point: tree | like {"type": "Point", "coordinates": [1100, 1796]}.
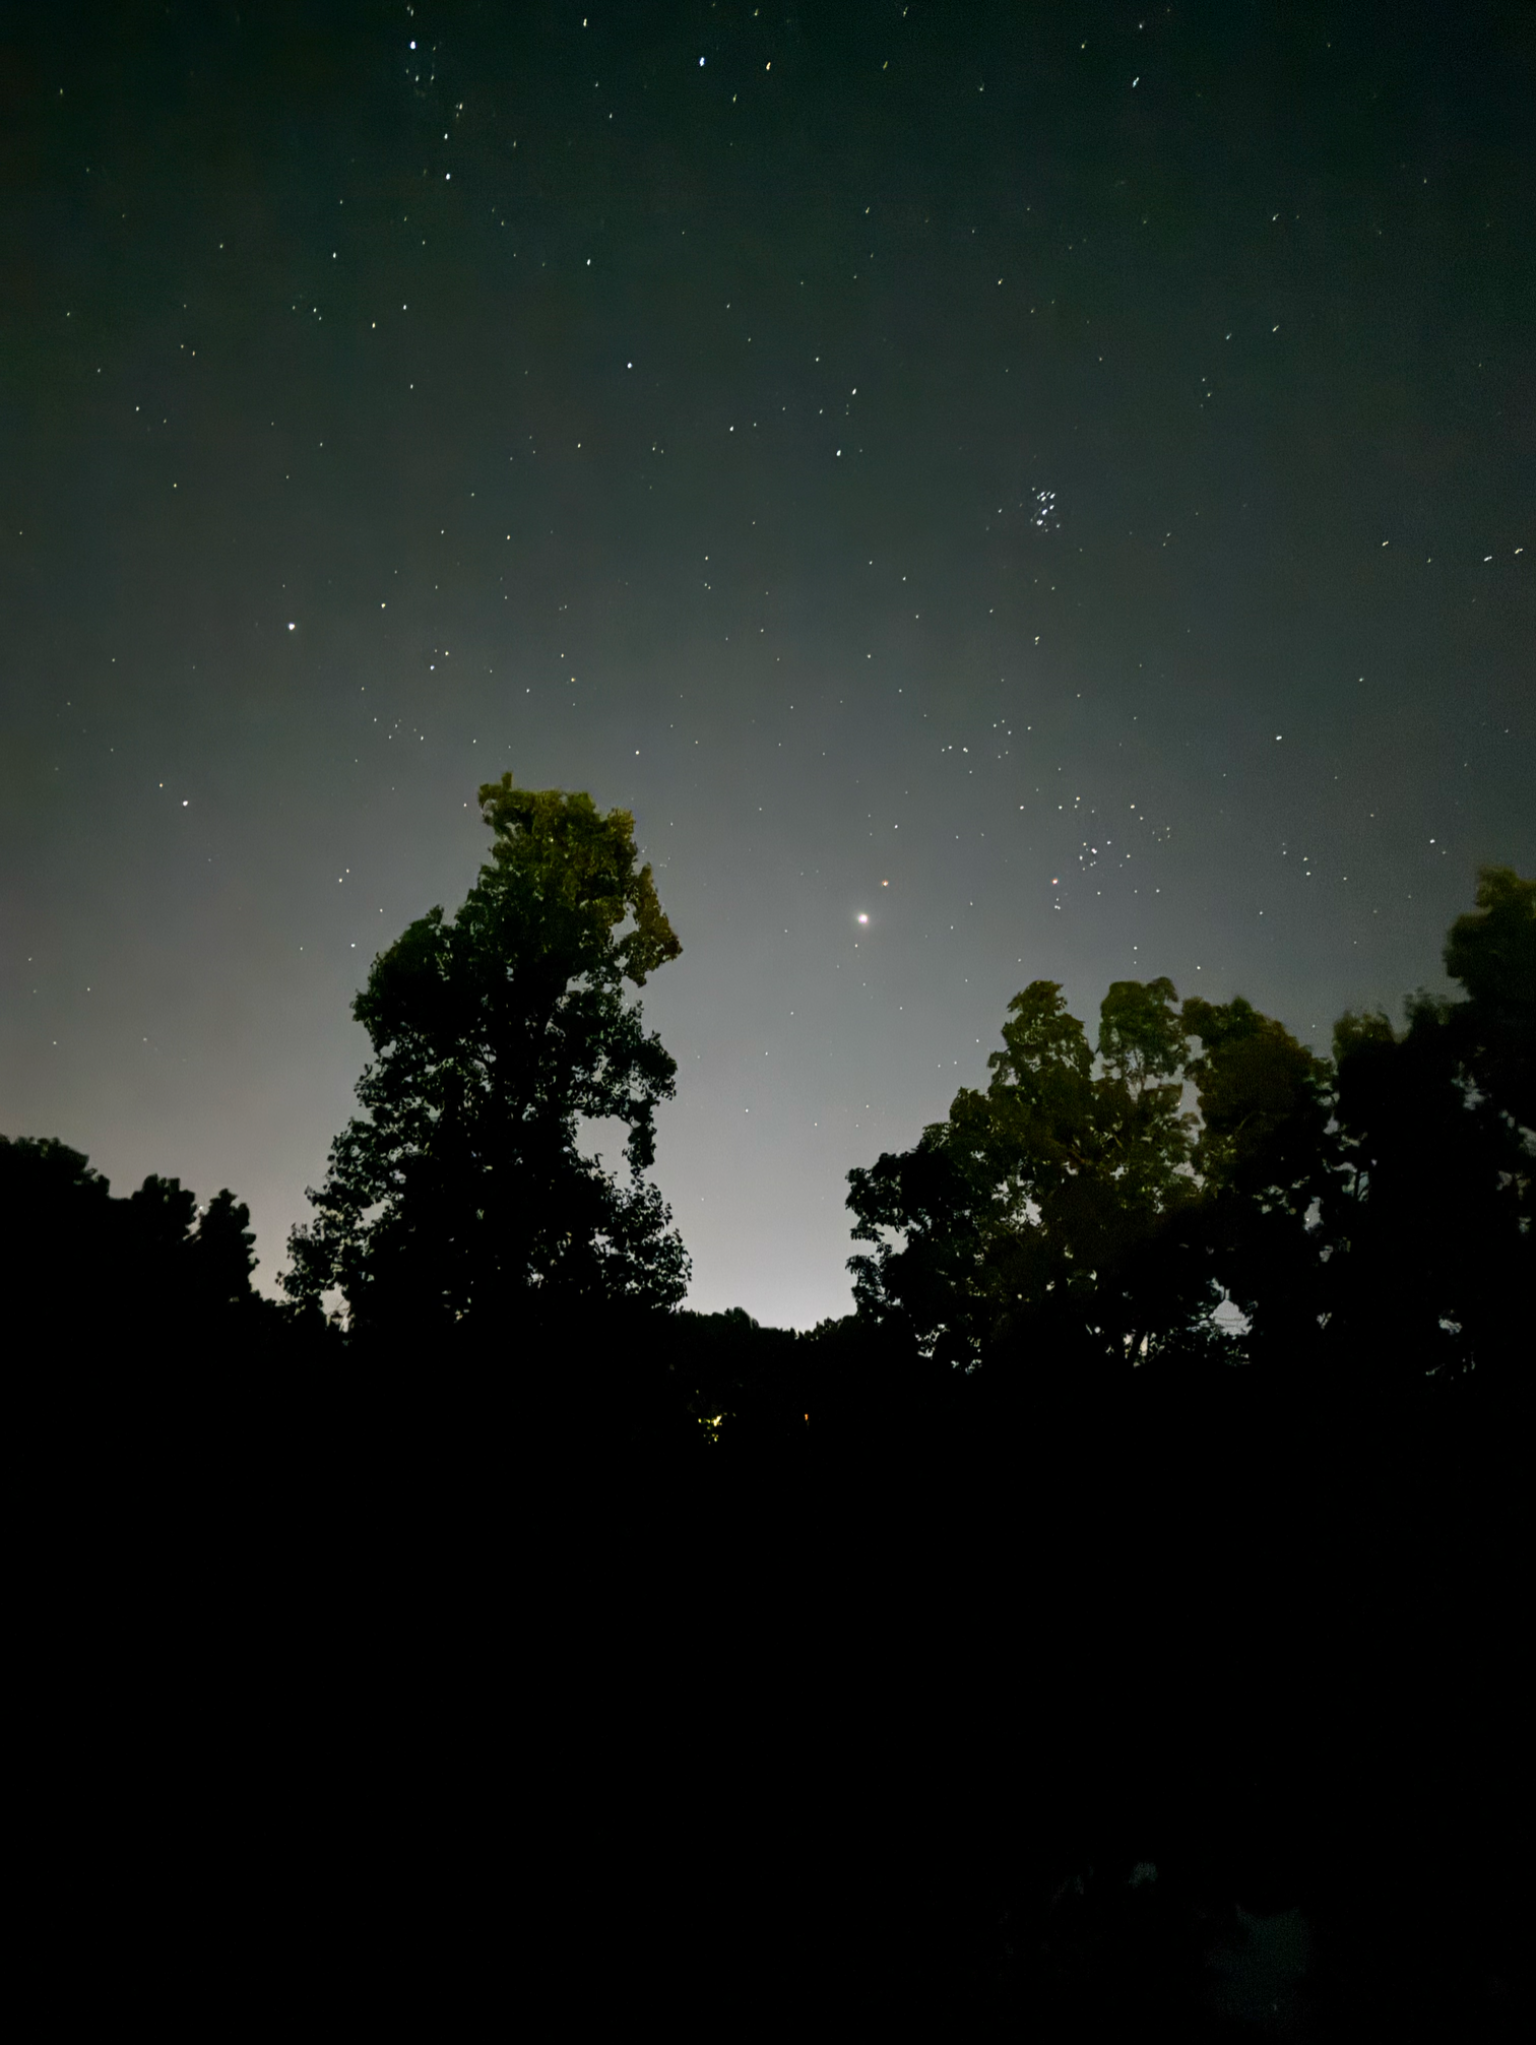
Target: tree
{"type": "Point", "coordinates": [1046, 1211]}
{"type": "Point", "coordinates": [58, 1248]}
{"type": "Point", "coordinates": [224, 1249]}
{"type": "Point", "coordinates": [1372, 1217]}
{"type": "Point", "coordinates": [1431, 1216]}
{"type": "Point", "coordinates": [1492, 951]}
{"type": "Point", "coordinates": [91, 1274]}
{"type": "Point", "coordinates": [1267, 1157]}
{"type": "Point", "coordinates": [460, 1194]}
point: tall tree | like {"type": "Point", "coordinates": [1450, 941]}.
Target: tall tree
{"type": "Point", "coordinates": [1491, 951]}
{"type": "Point", "coordinates": [58, 1249]}
{"type": "Point", "coordinates": [460, 1193]}
{"type": "Point", "coordinates": [1267, 1157]}
{"type": "Point", "coordinates": [1372, 1218]}
{"type": "Point", "coordinates": [1045, 1212]}
{"type": "Point", "coordinates": [1432, 1216]}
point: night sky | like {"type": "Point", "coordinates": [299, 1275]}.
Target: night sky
{"type": "Point", "coordinates": [1000, 492]}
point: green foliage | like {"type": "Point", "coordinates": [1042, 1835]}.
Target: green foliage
{"type": "Point", "coordinates": [460, 1193]}
{"type": "Point", "coordinates": [1265, 1158]}
{"type": "Point", "coordinates": [1369, 1216]}
{"type": "Point", "coordinates": [1028, 1215]}
{"type": "Point", "coordinates": [1264, 1102]}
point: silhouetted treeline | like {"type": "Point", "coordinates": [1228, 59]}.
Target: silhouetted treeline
{"type": "Point", "coordinates": [140, 1284]}
{"type": "Point", "coordinates": [977, 1656]}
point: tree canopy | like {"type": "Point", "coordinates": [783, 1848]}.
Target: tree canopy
{"type": "Point", "coordinates": [1026, 1217]}
{"type": "Point", "coordinates": [461, 1191]}
{"type": "Point", "coordinates": [1430, 1215]}
{"type": "Point", "coordinates": [1374, 1210]}
{"type": "Point", "coordinates": [89, 1271]}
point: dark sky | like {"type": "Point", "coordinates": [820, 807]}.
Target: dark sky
{"type": "Point", "coordinates": [1051, 480]}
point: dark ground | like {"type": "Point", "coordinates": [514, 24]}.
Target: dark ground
{"type": "Point", "coordinates": [415, 1700]}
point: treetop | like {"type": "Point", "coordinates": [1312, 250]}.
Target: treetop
{"type": "Point", "coordinates": [572, 854]}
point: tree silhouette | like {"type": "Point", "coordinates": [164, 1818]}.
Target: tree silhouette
{"type": "Point", "coordinates": [1492, 951]}
{"type": "Point", "coordinates": [1372, 1218]}
{"type": "Point", "coordinates": [57, 1224]}
{"type": "Point", "coordinates": [1030, 1217]}
{"type": "Point", "coordinates": [1431, 1214]}
{"type": "Point", "coordinates": [88, 1273]}
{"type": "Point", "coordinates": [460, 1194]}
{"type": "Point", "coordinates": [224, 1250]}
{"type": "Point", "coordinates": [1267, 1156]}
